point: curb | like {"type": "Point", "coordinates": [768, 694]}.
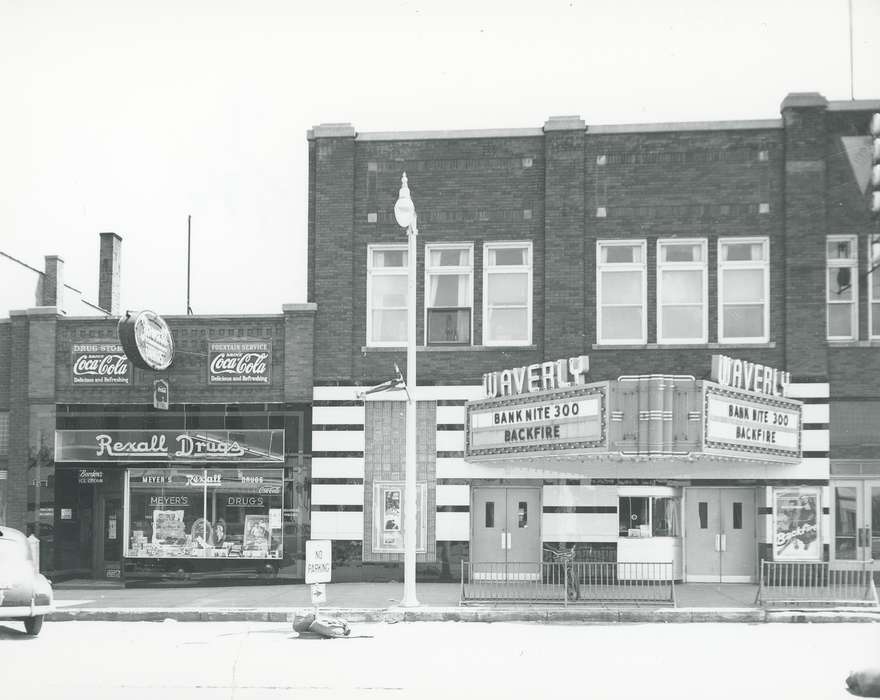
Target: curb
{"type": "Point", "coordinates": [470, 614]}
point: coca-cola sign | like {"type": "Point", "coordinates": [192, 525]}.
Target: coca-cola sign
{"type": "Point", "coordinates": [240, 362]}
{"type": "Point", "coordinates": [99, 363]}
{"type": "Point", "coordinates": [146, 340]}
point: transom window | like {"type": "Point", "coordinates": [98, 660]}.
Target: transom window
{"type": "Point", "coordinates": [743, 290]}
{"type": "Point", "coordinates": [841, 284]}
{"type": "Point", "coordinates": [621, 292]}
{"type": "Point", "coordinates": [507, 294]}
{"type": "Point", "coordinates": [449, 294]}
{"type": "Point", "coordinates": [387, 268]}
{"type": "Point", "coordinates": [681, 291]}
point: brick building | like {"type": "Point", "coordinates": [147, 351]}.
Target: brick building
{"type": "Point", "coordinates": [648, 249]}
{"type": "Point", "coordinates": [83, 450]}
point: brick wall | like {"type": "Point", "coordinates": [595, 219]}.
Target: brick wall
{"type": "Point", "coordinates": [19, 419]}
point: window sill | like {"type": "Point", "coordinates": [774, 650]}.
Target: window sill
{"type": "Point", "coordinates": [688, 346]}
{"type": "Point", "coordinates": [452, 348]}
{"type": "Point", "coordinates": [854, 343]}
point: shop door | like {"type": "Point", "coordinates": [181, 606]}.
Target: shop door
{"type": "Point", "coordinates": [856, 518]}
{"type": "Point", "coordinates": [720, 535]}
{"type": "Point", "coordinates": [107, 562]}
{"type": "Point", "coordinates": [506, 537]}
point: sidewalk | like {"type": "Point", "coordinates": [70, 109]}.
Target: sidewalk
{"type": "Point", "coordinates": [378, 602]}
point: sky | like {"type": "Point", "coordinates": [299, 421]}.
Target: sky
{"type": "Point", "coordinates": [130, 117]}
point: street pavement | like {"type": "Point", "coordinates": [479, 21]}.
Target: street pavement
{"type": "Point", "coordinates": [257, 661]}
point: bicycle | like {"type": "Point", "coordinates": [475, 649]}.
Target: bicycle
{"type": "Point", "coordinates": [566, 556]}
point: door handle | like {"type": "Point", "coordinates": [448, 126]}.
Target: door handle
{"type": "Point", "coordinates": [859, 539]}
{"type": "Point", "coordinates": [509, 543]}
{"type": "Point", "coordinates": [717, 543]}
{"type": "Point", "coordinates": [723, 542]}
{"type": "Point", "coordinates": [503, 540]}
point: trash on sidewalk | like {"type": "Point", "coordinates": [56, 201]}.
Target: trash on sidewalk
{"type": "Point", "coordinates": [864, 683]}
{"type": "Point", "coordinates": [326, 627]}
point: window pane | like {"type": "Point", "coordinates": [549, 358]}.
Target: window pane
{"type": "Point", "coordinates": [389, 258]}
{"type": "Point", "coordinates": [622, 323]}
{"type": "Point", "coordinates": [743, 321]}
{"type": "Point", "coordinates": [508, 324]}
{"type": "Point", "coordinates": [845, 522]}
{"type": "Point", "coordinates": [507, 256]}
{"type": "Point", "coordinates": [875, 319]}
{"type": "Point", "coordinates": [664, 517]}
{"type": "Point", "coordinates": [451, 257]}
{"type": "Point", "coordinates": [682, 286]}
{"type": "Point", "coordinates": [840, 283]}
{"type": "Point", "coordinates": [685, 322]}
{"type": "Point", "coordinates": [681, 252]}
{"type": "Point", "coordinates": [743, 285]}
{"type": "Point", "coordinates": [389, 326]}
{"type": "Point", "coordinates": [875, 285]}
{"type": "Point", "coordinates": [621, 254]}
{"type": "Point", "coordinates": [449, 290]}
{"type": "Point", "coordinates": [507, 288]}
{"type": "Point", "coordinates": [737, 515]}
{"type": "Point", "coordinates": [840, 320]}
{"type": "Point", "coordinates": [839, 250]}
{"type": "Point", "coordinates": [742, 251]}
{"type": "Point", "coordinates": [622, 287]}
{"type": "Point", "coordinates": [490, 514]}
{"type": "Point", "coordinates": [449, 326]}
{"type": "Point", "coordinates": [632, 514]}
{"type": "Point", "coordinates": [703, 512]}
{"type": "Point", "coordinates": [388, 291]}
{"type": "Point", "coordinates": [523, 514]}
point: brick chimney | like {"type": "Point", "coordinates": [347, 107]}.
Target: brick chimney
{"type": "Point", "coordinates": [53, 283]}
{"type": "Point", "coordinates": [108, 280]}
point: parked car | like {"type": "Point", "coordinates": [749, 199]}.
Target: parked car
{"type": "Point", "coordinates": [25, 594]}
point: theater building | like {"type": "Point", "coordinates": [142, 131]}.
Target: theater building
{"type": "Point", "coordinates": [121, 478]}
{"type": "Point", "coordinates": [657, 342]}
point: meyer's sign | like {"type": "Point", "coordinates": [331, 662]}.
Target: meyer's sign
{"type": "Point", "coordinates": [239, 362]}
{"type": "Point", "coordinates": [169, 446]}
{"type": "Point", "coordinates": [750, 376]}
{"type": "Point", "coordinates": [738, 423]}
{"type": "Point", "coordinates": [561, 420]}
{"type": "Point", "coordinates": [544, 376]}
{"type": "Point", "coordinates": [99, 363]}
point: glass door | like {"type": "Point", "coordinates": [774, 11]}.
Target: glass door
{"type": "Point", "coordinates": [856, 515]}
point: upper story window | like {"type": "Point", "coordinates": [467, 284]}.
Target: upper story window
{"type": "Point", "coordinates": [874, 287]}
{"type": "Point", "coordinates": [621, 298]}
{"type": "Point", "coordinates": [841, 284]}
{"type": "Point", "coordinates": [681, 291]}
{"type": "Point", "coordinates": [387, 269]}
{"type": "Point", "coordinates": [743, 290]}
{"type": "Point", "coordinates": [449, 283]}
{"type": "Point", "coordinates": [507, 294]}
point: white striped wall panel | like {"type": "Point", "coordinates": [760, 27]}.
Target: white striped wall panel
{"type": "Point", "coordinates": [808, 391]}
{"type": "Point", "coordinates": [454, 527]}
{"type": "Point", "coordinates": [450, 414]}
{"type": "Point", "coordinates": [338, 440]}
{"type": "Point", "coordinates": [338, 415]}
{"type": "Point", "coordinates": [338, 467]}
{"type": "Point", "coordinates": [336, 525]}
{"type": "Point", "coordinates": [816, 413]}
{"type": "Point", "coordinates": [580, 496]}
{"type": "Point", "coordinates": [450, 441]}
{"type": "Point", "coordinates": [579, 527]}
{"type": "Point", "coordinates": [336, 393]}
{"type": "Point", "coordinates": [815, 441]}
{"type": "Point", "coordinates": [458, 468]}
{"type": "Point", "coordinates": [453, 495]}
{"type": "Point", "coordinates": [338, 494]}
{"type": "Point", "coordinates": [813, 468]}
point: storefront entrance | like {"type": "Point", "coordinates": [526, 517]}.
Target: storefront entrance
{"type": "Point", "coordinates": [856, 517]}
{"type": "Point", "coordinates": [720, 535]}
{"type": "Point", "coordinates": [506, 532]}
{"type": "Point", "coordinates": [107, 545]}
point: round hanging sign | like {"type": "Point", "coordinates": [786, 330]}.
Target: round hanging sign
{"type": "Point", "coordinates": [146, 340]}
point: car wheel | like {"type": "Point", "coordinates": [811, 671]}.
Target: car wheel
{"type": "Point", "coordinates": [33, 625]}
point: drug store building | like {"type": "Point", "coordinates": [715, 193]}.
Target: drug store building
{"type": "Point", "coordinates": [214, 482]}
{"type": "Point", "coordinates": [647, 253]}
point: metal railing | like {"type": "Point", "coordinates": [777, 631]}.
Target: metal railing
{"type": "Point", "coordinates": [817, 583]}
{"type": "Point", "coordinates": [576, 582]}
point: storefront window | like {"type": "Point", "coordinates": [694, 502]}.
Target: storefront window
{"type": "Point", "coordinates": [645, 516]}
{"type": "Point", "coordinates": [204, 513]}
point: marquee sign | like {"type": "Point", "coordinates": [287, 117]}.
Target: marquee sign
{"type": "Point", "coordinates": [169, 446]}
{"type": "Point", "coordinates": [561, 420]}
{"type": "Point", "coordinates": [99, 364]}
{"type": "Point", "coordinates": [742, 424]}
{"type": "Point", "coordinates": [239, 362]}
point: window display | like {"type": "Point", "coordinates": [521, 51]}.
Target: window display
{"type": "Point", "coordinates": [202, 513]}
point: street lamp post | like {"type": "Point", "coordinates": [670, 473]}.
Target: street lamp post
{"type": "Point", "coordinates": [405, 213]}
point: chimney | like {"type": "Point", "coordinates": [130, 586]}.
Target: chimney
{"type": "Point", "coordinates": [53, 283]}
{"type": "Point", "coordinates": [108, 280]}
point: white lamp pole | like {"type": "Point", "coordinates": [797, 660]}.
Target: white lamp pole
{"type": "Point", "coordinates": [405, 213]}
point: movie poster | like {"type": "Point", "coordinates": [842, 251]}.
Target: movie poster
{"type": "Point", "coordinates": [256, 535]}
{"type": "Point", "coordinates": [391, 524]}
{"type": "Point", "coordinates": [796, 524]}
